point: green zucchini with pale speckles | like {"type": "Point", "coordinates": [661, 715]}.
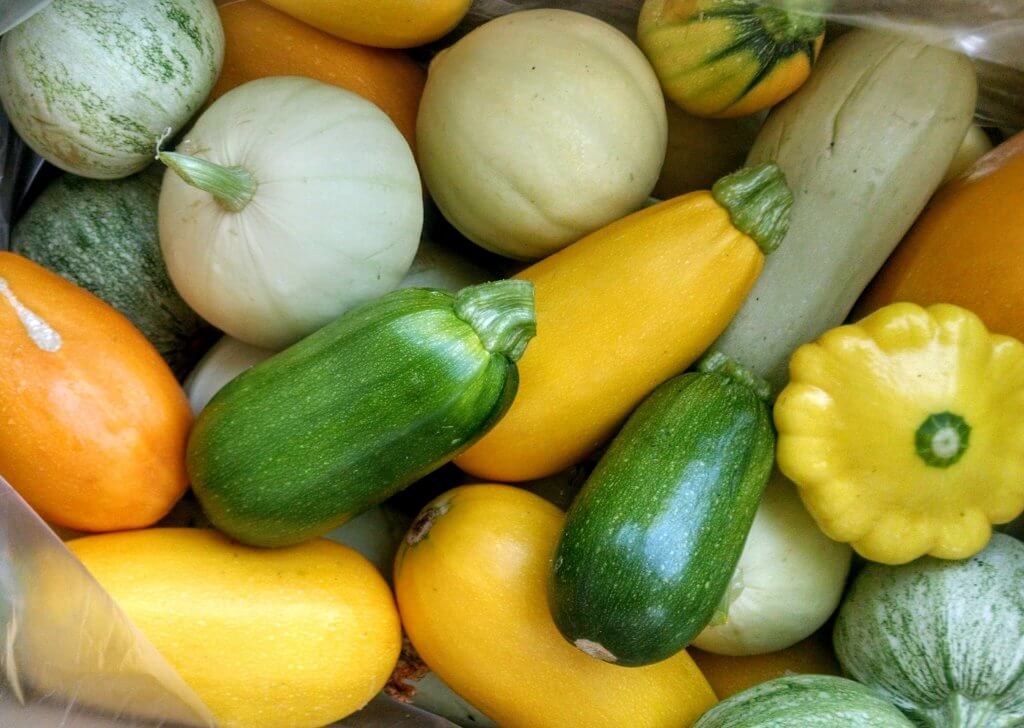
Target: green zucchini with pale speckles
{"type": "Point", "coordinates": [805, 701]}
{"type": "Point", "coordinates": [360, 409]}
{"type": "Point", "coordinates": [102, 236]}
{"type": "Point", "coordinates": [941, 640]}
{"type": "Point", "coordinates": [651, 542]}
{"type": "Point", "coordinates": [91, 85]}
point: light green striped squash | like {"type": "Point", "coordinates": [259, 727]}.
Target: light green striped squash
{"type": "Point", "coordinates": [102, 236]}
{"type": "Point", "coordinates": [942, 640]}
{"type": "Point", "coordinates": [804, 701]}
{"type": "Point", "coordinates": [91, 85]}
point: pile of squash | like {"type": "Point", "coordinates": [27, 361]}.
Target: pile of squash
{"type": "Point", "coordinates": [464, 415]}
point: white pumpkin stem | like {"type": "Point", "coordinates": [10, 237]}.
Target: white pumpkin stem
{"type": "Point", "coordinates": [233, 187]}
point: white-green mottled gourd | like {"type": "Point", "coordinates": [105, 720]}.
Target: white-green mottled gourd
{"type": "Point", "coordinates": [863, 144]}
{"type": "Point", "coordinates": [91, 85]}
{"type": "Point", "coordinates": [804, 701]}
{"type": "Point", "coordinates": [942, 640]}
{"type": "Point", "coordinates": [102, 235]}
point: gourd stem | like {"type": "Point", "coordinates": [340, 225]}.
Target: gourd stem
{"type": "Point", "coordinates": [501, 313]}
{"type": "Point", "coordinates": [758, 201]}
{"type": "Point", "coordinates": [716, 362]}
{"type": "Point", "coordinates": [942, 439]}
{"type": "Point", "coordinates": [793, 21]}
{"type": "Point", "coordinates": [233, 187]}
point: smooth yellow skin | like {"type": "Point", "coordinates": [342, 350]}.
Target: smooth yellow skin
{"type": "Point", "coordinates": [847, 424]}
{"type": "Point", "coordinates": [679, 41]}
{"type": "Point", "coordinates": [473, 598]}
{"type": "Point", "coordinates": [381, 23]}
{"type": "Point", "coordinates": [288, 638]}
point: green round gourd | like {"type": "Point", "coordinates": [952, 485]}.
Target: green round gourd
{"type": "Point", "coordinates": [102, 236]}
{"type": "Point", "coordinates": [91, 85]}
{"type": "Point", "coordinates": [942, 640]}
{"type": "Point", "coordinates": [804, 701]}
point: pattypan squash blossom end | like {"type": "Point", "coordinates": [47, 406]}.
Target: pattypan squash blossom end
{"type": "Point", "coordinates": [905, 432]}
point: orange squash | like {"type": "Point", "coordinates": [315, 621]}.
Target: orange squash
{"type": "Point", "coordinates": [262, 41]}
{"type": "Point", "coordinates": [731, 675]}
{"type": "Point", "coordinates": [621, 311]}
{"type": "Point", "coordinates": [94, 422]}
{"type": "Point", "coordinates": [967, 248]}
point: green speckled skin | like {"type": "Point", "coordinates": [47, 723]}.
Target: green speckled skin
{"type": "Point", "coordinates": [102, 236]}
{"type": "Point", "coordinates": [92, 84]}
{"type": "Point", "coordinates": [942, 640]}
{"type": "Point", "coordinates": [805, 701]}
{"type": "Point", "coordinates": [345, 418]}
{"type": "Point", "coordinates": [652, 540]}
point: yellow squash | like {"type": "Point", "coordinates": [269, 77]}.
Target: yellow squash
{"type": "Point", "coordinates": [625, 309]}
{"type": "Point", "coordinates": [471, 581]}
{"type": "Point", "coordinates": [383, 23]}
{"type": "Point", "coordinates": [728, 58]}
{"type": "Point", "coordinates": [905, 432]}
{"type": "Point", "coordinates": [292, 638]}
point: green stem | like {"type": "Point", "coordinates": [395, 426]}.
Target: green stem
{"type": "Point", "coordinates": [942, 439]}
{"type": "Point", "coordinates": [501, 313]}
{"type": "Point", "coordinates": [793, 21]}
{"type": "Point", "coordinates": [233, 187]}
{"type": "Point", "coordinates": [758, 201]}
{"type": "Point", "coordinates": [716, 362]}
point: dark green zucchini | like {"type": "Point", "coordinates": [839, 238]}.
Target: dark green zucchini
{"type": "Point", "coordinates": [652, 540]}
{"type": "Point", "coordinates": [102, 235]}
{"type": "Point", "coordinates": [355, 412]}
{"type": "Point", "coordinates": [805, 701]}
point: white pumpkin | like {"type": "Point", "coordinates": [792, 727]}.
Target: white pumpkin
{"type": "Point", "coordinates": [91, 85]}
{"type": "Point", "coordinates": [787, 584]}
{"type": "Point", "coordinates": [539, 127]}
{"type": "Point", "coordinates": [289, 202]}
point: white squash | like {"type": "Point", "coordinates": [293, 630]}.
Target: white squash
{"type": "Point", "coordinates": [289, 202]}
{"type": "Point", "coordinates": [538, 128]}
{"type": "Point", "coordinates": [91, 85]}
{"type": "Point", "coordinates": [975, 145]}
{"type": "Point", "coordinates": [787, 584]}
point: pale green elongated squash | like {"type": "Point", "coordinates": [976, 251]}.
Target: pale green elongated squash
{"type": "Point", "coordinates": [863, 145]}
{"type": "Point", "coordinates": [91, 85]}
{"type": "Point", "coordinates": [942, 640]}
{"type": "Point", "coordinates": [804, 701]}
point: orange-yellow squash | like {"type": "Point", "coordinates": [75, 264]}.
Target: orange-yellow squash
{"type": "Point", "coordinates": [471, 582]}
{"type": "Point", "coordinates": [262, 41]}
{"type": "Point", "coordinates": [731, 675]}
{"type": "Point", "coordinates": [625, 309]}
{"type": "Point", "coordinates": [967, 248]}
{"type": "Point", "coordinates": [286, 638]}
{"type": "Point", "coordinates": [94, 422]}
{"type": "Point", "coordinates": [384, 23]}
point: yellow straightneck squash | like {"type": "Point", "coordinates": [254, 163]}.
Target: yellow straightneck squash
{"type": "Point", "coordinates": [905, 432]}
{"type": "Point", "coordinates": [625, 309]}
{"type": "Point", "coordinates": [471, 581]}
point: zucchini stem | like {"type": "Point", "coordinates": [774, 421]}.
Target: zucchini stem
{"type": "Point", "coordinates": [232, 187]}
{"type": "Point", "coordinates": [758, 201]}
{"type": "Point", "coordinates": [716, 362]}
{"type": "Point", "coordinates": [502, 314]}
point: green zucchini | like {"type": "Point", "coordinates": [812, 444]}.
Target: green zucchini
{"type": "Point", "coordinates": [863, 144]}
{"type": "Point", "coordinates": [804, 701]}
{"type": "Point", "coordinates": [652, 540]}
{"type": "Point", "coordinates": [102, 236]}
{"type": "Point", "coordinates": [355, 412]}
{"type": "Point", "coordinates": [941, 640]}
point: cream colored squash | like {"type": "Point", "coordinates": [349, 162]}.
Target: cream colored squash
{"type": "Point", "coordinates": [538, 128]}
{"type": "Point", "coordinates": [289, 202]}
{"type": "Point", "coordinates": [787, 583]}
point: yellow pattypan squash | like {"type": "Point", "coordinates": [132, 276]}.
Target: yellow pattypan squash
{"type": "Point", "coordinates": [905, 432]}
